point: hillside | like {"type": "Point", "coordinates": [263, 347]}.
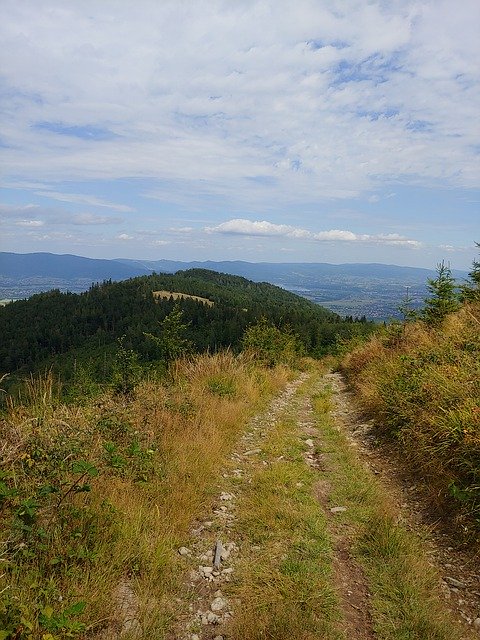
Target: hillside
{"type": "Point", "coordinates": [372, 290]}
{"type": "Point", "coordinates": [226, 501]}
{"type": "Point", "coordinates": [238, 500]}
{"type": "Point", "coordinates": [53, 323]}
{"type": "Point", "coordinates": [421, 384]}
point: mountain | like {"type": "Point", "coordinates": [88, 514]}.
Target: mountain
{"type": "Point", "coordinates": [53, 323]}
{"type": "Point", "coordinates": [65, 266]}
{"type": "Point", "coordinates": [356, 289]}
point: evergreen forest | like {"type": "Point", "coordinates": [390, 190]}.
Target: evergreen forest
{"type": "Point", "coordinates": [85, 328]}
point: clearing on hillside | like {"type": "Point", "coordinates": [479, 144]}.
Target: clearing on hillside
{"type": "Point", "coordinates": [166, 295]}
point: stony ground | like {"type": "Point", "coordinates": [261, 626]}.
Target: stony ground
{"type": "Point", "coordinates": [215, 549]}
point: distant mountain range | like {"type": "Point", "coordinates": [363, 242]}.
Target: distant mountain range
{"type": "Point", "coordinates": [357, 289]}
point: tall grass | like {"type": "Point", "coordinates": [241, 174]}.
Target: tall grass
{"type": "Point", "coordinates": [422, 384]}
{"type": "Point", "coordinates": [99, 495]}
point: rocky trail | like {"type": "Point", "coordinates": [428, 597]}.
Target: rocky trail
{"type": "Point", "coordinates": [224, 554]}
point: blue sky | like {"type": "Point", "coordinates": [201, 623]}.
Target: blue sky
{"type": "Point", "coordinates": [256, 130]}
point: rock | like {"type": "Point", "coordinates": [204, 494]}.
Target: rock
{"type": "Point", "coordinates": [218, 604]}
{"type": "Point", "coordinates": [212, 618]}
{"type": "Point", "coordinates": [338, 509]}
{"type": "Point", "coordinates": [476, 623]}
{"type": "Point", "coordinates": [183, 551]}
{"type": "Point", "coordinates": [227, 571]}
{"type": "Point", "coordinates": [309, 442]}
{"type": "Point", "coordinates": [455, 583]}
{"type": "Point", "coordinates": [218, 638]}
{"type": "Point", "coordinates": [227, 496]}
{"type": "Point", "coordinates": [252, 452]}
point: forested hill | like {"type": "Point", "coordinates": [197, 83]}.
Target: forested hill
{"type": "Point", "coordinates": [53, 323]}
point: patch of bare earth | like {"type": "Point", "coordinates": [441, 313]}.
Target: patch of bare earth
{"type": "Point", "coordinates": [457, 563]}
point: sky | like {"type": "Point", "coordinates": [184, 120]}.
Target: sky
{"type": "Point", "coordinates": [266, 131]}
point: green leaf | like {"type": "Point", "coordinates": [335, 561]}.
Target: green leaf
{"type": "Point", "coordinates": [47, 611]}
{"type": "Point", "coordinates": [75, 609]}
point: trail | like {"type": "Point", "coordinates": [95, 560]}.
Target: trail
{"type": "Point", "coordinates": [219, 548]}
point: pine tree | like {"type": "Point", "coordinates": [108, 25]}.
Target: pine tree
{"type": "Point", "coordinates": [471, 290]}
{"type": "Point", "coordinates": [444, 298]}
{"type": "Point", "coordinates": [172, 342]}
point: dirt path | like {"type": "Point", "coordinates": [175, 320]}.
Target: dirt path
{"type": "Point", "coordinates": [458, 565]}
{"type": "Point", "coordinates": [219, 548]}
{"type": "Point", "coordinates": [213, 550]}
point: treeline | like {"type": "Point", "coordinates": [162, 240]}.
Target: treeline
{"type": "Point", "coordinates": [53, 323]}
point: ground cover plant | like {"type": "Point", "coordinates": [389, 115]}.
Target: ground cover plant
{"type": "Point", "coordinates": [421, 381]}
{"type": "Point", "coordinates": [96, 496]}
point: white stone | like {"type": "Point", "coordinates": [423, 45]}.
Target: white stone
{"type": "Point", "coordinates": [212, 618]}
{"type": "Point", "coordinates": [205, 570]}
{"type": "Point", "coordinates": [476, 623]}
{"type": "Point", "coordinates": [338, 509]}
{"type": "Point", "coordinates": [218, 604]}
{"type": "Point", "coordinates": [309, 443]}
{"type": "Point", "coordinates": [183, 551]}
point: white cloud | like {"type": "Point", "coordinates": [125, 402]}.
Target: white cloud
{"type": "Point", "coordinates": [91, 218]}
{"type": "Point", "coordinates": [240, 226]}
{"type": "Point", "coordinates": [83, 199]}
{"type": "Point", "coordinates": [318, 100]}
{"type": "Point", "coordinates": [125, 236]}
{"type": "Point", "coordinates": [30, 223]}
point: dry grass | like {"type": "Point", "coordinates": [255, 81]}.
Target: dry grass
{"type": "Point", "coordinates": [423, 387]}
{"type": "Point", "coordinates": [166, 295]}
{"type": "Point", "coordinates": [405, 595]}
{"type": "Point", "coordinates": [150, 462]}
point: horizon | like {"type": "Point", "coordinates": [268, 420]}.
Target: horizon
{"type": "Point", "coordinates": [260, 262]}
{"type": "Point", "coordinates": [248, 132]}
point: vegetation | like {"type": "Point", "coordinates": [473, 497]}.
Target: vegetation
{"type": "Point", "coordinates": [76, 332]}
{"type": "Point", "coordinates": [421, 381]}
{"type": "Point", "coordinates": [96, 495]}
{"type": "Point", "coordinates": [98, 492]}
{"type": "Point", "coordinates": [405, 597]}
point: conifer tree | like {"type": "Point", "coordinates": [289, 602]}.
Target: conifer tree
{"type": "Point", "coordinates": [444, 297]}
{"type": "Point", "coordinates": [471, 290]}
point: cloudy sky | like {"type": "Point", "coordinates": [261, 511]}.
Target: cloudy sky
{"type": "Point", "coordinates": [269, 130]}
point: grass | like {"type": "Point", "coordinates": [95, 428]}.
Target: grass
{"type": "Point", "coordinates": [105, 492]}
{"type": "Point", "coordinates": [284, 577]}
{"type": "Point", "coordinates": [166, 295]}
{"type": "Point", "coordinates": [406, 602]}
{"type": "Point", "coordinates": [422, 385]}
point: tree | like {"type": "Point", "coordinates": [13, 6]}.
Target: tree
{"type": "Point", "coordinates": [406, 309]}
{"type": "Point", "coordinates": [444, 298]}
{"type": "Point", "coordinates": [271, 345]}
{"type": "Point", "coordinates": [172, 342]}
{"type": "Point", "coordinates": [471, 290]}
{"type": "Point", "coordinates": [126, 371]}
